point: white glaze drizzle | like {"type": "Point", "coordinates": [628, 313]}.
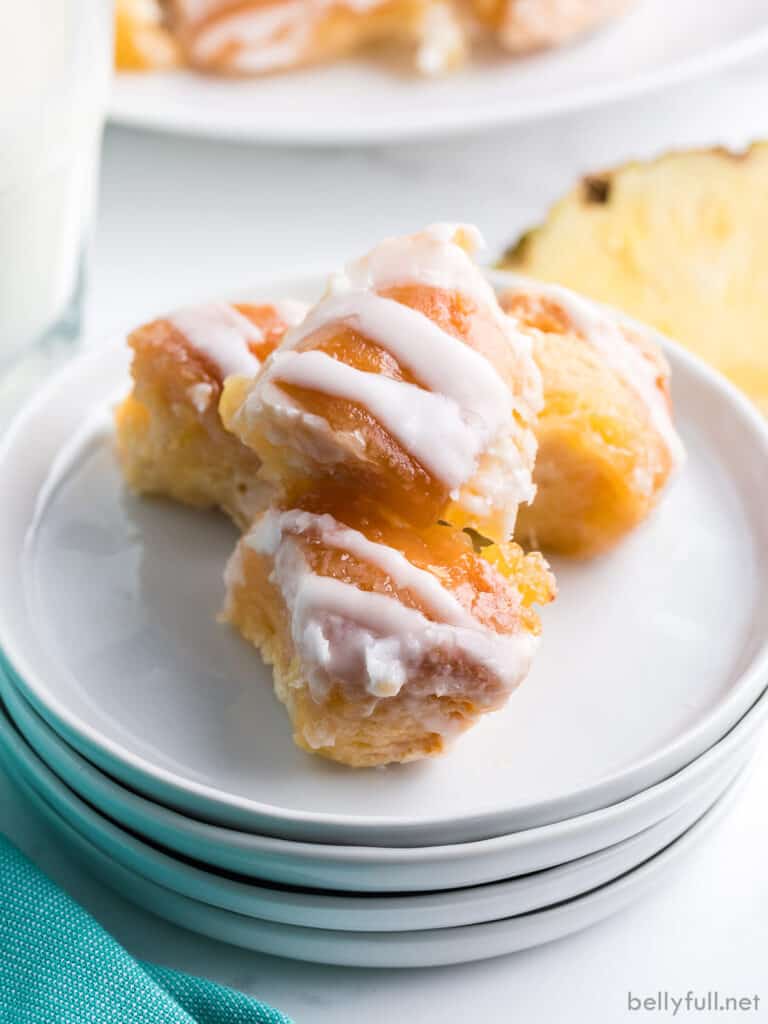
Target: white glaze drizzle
{"type": "Point", "coordinates": [437, 257]}
{"type": "Point", "coordinates": [433, 257]}
{"type": "Point", "coordinates": [443, 41]}
{"type": "Point", "coordinates": [602, 329]}
{"type": "Point", "coordinates": [427, 425]}
{"type": "Point", "coordinates": [467, 404]}
{"type": "Point", "coordinates": [222, 333]}
{"type": "Point", "coordinates": [290, 311]}
{"type": "Point", "coordinates": [265, 36]}
{"type": "Point", "coordinates": [256, 39]}
{"type": "Point", "coordinates": [464, 407]}
{"type": "Point", "coordinates": [371, 639]}
{"type": "Point", "coordinates": [445, 363]}
{"type": "Point", "coordinates": [274, 524]}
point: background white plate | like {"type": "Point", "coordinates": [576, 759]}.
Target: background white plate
{"type": "Point", "coordinates": [423, 948]}
{"type": "Point", "coordinates": [658, 43]}
{"type": "Point", "coordinates": [347, 912]}
{"type": "Point", "coordinates": [648, 657]}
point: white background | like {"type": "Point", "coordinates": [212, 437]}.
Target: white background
{"type": "Point", "coordinates": [183, 219]}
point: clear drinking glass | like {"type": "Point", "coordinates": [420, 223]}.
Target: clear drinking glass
{"type": "Point", "coordinates": [55, 64]}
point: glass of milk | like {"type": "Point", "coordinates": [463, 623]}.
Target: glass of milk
{"type": "Point", "coordinates": [55, 63]}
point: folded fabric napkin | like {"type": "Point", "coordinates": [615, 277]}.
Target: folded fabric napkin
{"type": "Point", "coordinates": [59, 966]}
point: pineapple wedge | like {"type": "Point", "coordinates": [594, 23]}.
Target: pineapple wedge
{"type": "Point", "coordinates": [680, 243]}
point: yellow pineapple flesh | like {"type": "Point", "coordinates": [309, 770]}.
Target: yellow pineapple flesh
{"type": "Point", "coordinates": [681, 243]}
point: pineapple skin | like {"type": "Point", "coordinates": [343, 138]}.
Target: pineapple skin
{"type": "Point", "coordinates": [680, 242]}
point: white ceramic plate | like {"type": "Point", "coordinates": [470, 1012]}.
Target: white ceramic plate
{"type": "Point", "coordinates": [368, 869]}
{"type": "Point", "coordinates": [423, 948]}
{"type": "Point", "coordinates": [107, 616]}
{"type": "Point", "coordinates": [656, 44]}
{"type": "Point", "coordinates": [347, 912]}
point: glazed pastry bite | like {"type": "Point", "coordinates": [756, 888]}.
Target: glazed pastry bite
{"type": "Point", "coordinates": [523, 26]}
{"type": "Point", "coordinates": [607, 441]}
{"type": "Point", "coordinates": [250, 37]}
{"type": "Point", "coordinates": [170, 438]}
{"type": "Point", "coordinates": [406, 382]}
{"type": "Point", "coordinates": [386, 642]}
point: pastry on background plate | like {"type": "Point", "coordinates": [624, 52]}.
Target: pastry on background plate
{"type": "Point", "coordinates": [522, 26]}
{"type": "Point", "coordinates": [607, 440]}
{"type": "Point", "coordinates": [251, 37]}
{"type": "Point", "coordinates": [406, 382]}
{"type": "Point", "coordinates": [256, 37]}
{"type": "Point", "coordinates": [170, 438]}
{"type": "Point", "coordinates": [142, 39]}
{"type": "Point", "coordinates": [681, 243]}
{"type": "Point", "coordinates": [386, 642]}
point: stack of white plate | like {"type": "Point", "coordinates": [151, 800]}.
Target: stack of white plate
{"type": "Point", "coordinates": [149, 736]}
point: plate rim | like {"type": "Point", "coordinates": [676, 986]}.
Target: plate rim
{"type": "Point", "coordinates": [217, 889]}
{"type": "Point", "coordinates": [290, 823]}
{"type": "Point", "coordinates": [20, 714]}
{"type": "Point", "coordinates": [282, 940]}
{"type": "Point", "coordinates": [740, 736]}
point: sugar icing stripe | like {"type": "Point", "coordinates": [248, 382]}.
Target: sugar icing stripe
{"type": "Point", "coordinates": [359, 637]}
{"type": "Point", "coordinates": [432, 258]}
{"type": "Point", "coordinates": [333, 534]}
{"type": "Point", "coordinates": [263, 36]}
{"type": "Point", "coordinates": [430, 426]}
{"type": "Point", "coordinates": [260, 39]}
{"type": "Point", "coordinates": [441, 362]}
{"type": "Point", "coordinates": [222, 333]}
{"type": "Point", "coordinates": [463, 404]}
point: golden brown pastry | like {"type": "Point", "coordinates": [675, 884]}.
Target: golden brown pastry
{"type": "Point", "coordinates": [398, 415]}
{"type": "Point", "coordinates": [142, 39]}
{"type": "Point", "coordinates": [170, 438]}
{"type": "Point", "coordinates": [386, 642]}
{"type": "Point", "coordinates": [255, 37]}
{"type": "Point", "coordinates": [522, 26]}
{"type": "Point", "coordinates": [406, 383]}
{"type": "Point", "coordinates": [607, 441]}
{"type": "Point", "coordinates": [250, 37]}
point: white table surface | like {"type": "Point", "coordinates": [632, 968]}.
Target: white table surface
{"type": "Point", "coordinates": [181, 219]}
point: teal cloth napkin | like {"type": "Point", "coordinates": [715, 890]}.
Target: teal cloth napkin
{"type": "Point", "coordinates": [59, 966]}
